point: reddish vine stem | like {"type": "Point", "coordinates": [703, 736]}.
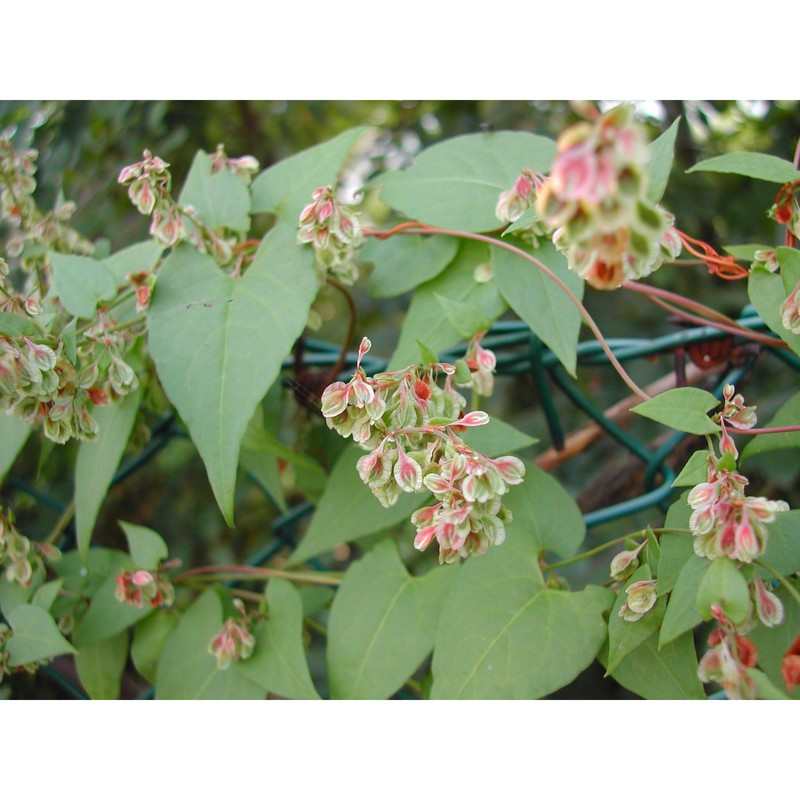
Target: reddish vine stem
{"type": "Point", "coordinates": [722, 266]}
{"type": "Point", "coordinates": [418, 227]}
{"type": "Point", "coordinates": [718, 321]}
{"type": "Point", "coordinates": [758, 431]}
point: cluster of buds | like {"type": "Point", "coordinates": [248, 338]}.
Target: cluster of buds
{"type": "Point", "coordinates": [736, 415]}
{"type": "Point", "coordinates": [768, 259]}
{"type": "Point", "coordinates": [642, 596]}
{"type": "Point", "coordinates": [41, 384]}
{"type": "Point", "coordinates": [513, 203]}
{"type": "Point", "coordinates": [244, 167]}
{"type": "Point", "coordinates": [149, 182]}
{"type": "Point", "coordinates": [233, 642]}
{"type": "Point", "coordinates": [409, 425]}
{"type": "Point", "coordinates": [728, 659]}
{"type": "Point", "coordinates": [726, 523]}
{"type": "Point", "coordinates": [790, 311]}
{"type": "Point", "coordinates": [335, 234]}
{"type": "Point", "coordinates": [481, 364]}
{"type": "Point", "coordinates": [49, 231]}
{"type": "Point", "coordinates": [786, 210]}
{"type": "Point", "coordinates": [17, 556]}
{"type": "Point", "coordinates": [140, 587]}
{"type": "Point", "coordinates": [595, 201]}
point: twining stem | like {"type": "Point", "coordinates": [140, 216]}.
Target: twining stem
{"type": "Point", "coordinates": [713, 320]}
{"type": "Point", "coordinates": [786, 583]}
{"type": "Point", "coordinates": [758, 431]}
{"type": "Point", "coordinates": [241, 572]}
{"type": "Point", "coordinates": [418, 227]}
{"type": "Point", "coordinates": [61, 523]}
{"type": "Point", "coordinates": [607, 545]}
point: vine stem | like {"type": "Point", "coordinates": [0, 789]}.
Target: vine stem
{"type": "Point", "coordinates": [608, 545]}
{"type": "Point", "coordinates": [786, 583]}
{"type": "Point", "coordinates": [418, 227]}
{"type": "Point", "coordinates": [758, 431]}
{"type": "Point", "coordinates": [711, 318]}
{"type": "Point", "coordinates": [241, 572]}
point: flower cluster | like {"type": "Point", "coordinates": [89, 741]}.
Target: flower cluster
{"type": "Point", "coordinates": [28, 224]}
{"type": "Point", "coordinates": [244, 167]}
{"type": "Point", "coordinates": [517, 200]}
{"type": "Point", "coordinates": [786, 210]}
{"type": "Point", "coordinates": [728, 659]}
{"type": "Point", "coordinates": [736, 415]}
{"type": "Point", "coordinates": [725, 522]}
{"type": "Point", "coordinates": [137, 587]}
{"type": "Point", "coordinates": [233, 642]}
{"type": "Point", "coordinates": [595, 200]}
{"type": "Point", "coordinates": [642, 596]}
{"type": "Point", "coordinates": [335, 234]}
{"type": "Point", "coordinates": [790, 311]}
{"type": "Point", "coordinates": [40, 382]}
{"type": "Point", "coordinates": [409, 425]}
{"type": "Point", "coordinates": [17, 556]}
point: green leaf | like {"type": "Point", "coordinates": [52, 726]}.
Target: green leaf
{"type": "Point", "coordinates": [666, 674]}
{"type": "Point", "coordinates": [187, 671]}
{"type": "Point", "coordinates": [218, 343]}
{"type": "Point", "coordinates": [425, 320]}
{"type": "Point", "coordinates": [382, 624]}
{"type": "Point", "coordinates": [676, 548]}
{"type": "Point", "coordinates": [80, 283]}
{"type": "Point", "coordinates": [348, 510]}
{"type": "Point", "coordinates": [98, 461]}
{"type": "Point", "coordinates": [263, 467]}
{"type": "Point", "coordinates": [789, 259]}
{"type": "Point", "coordinates": [772, 643]}
{"type": "Point", "coordinates": [503, 635]}
{"type": "Point", "coordinates": [529, 216]}
{"type": "Point", "coordinates": [767, 293]}
{"type": "Point", "coordinates": [404, 262]}
{"type": "Point", "coordinates": [278, 663]}
{"type": "Point", "coordinates": [221, 200]}
{"type": "Point", "coordinates": [751, 165]}
{"type": "Point", "coordinates": [497, 438]}
{"type": "Point", "coordinates": [659, 165]}
{"type": "Point", "coordinates": [14, 432]}
{"type": "Point", "coordinates": [15, 325]}
{"type": "Point", "coordinates": [543, 508]}
{"type": "Point", "coordinates": [724, 585]}
{"type": "Point", "coordinates": [539, 301]}
{"type": "Point", "coordinates": [456, 183]}
{"type": "Point", "coordinates": [746, 252]}
{"type": "Point", "coordinates": [46, 594]}
{"type": "Point", "coordinates": [427, 356]}
{"type": "Point", "coordinates": [682, 612]}
{"type": "Point", "coordinates": [623, 636]}
{"type": "Point", "coordinates": [783, 545]}
{"type": "Point", "coordinates": [100, 666]}
{"type": "Point", "coordinates": [140, 257]}
{"type": "Point", "coordinates": [36, 636]}
{"type": "Point", "coordinates": [286, 187]}
{"type": "Point", "coordinates": [149, 637]}
{"type": "Point", "coordinates": [13, 594]}
{"type": "Point", "coordinates": [146, 547]}
{"type": "Point", "coordinates": [465, 318]}
{"type": "Point", "coordinates": [682, 409]}
{"type": "Point", "coordinates": [695, 471]}
{"type": "Point", "coordinates": [107, 616]}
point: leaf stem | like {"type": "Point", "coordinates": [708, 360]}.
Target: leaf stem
{"type": "Point", "coordinates": [607, 545]}
{"type": "Point", "coordinates": [240, 572]}
{"type": "Point", "coordinates": [418, 227]}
